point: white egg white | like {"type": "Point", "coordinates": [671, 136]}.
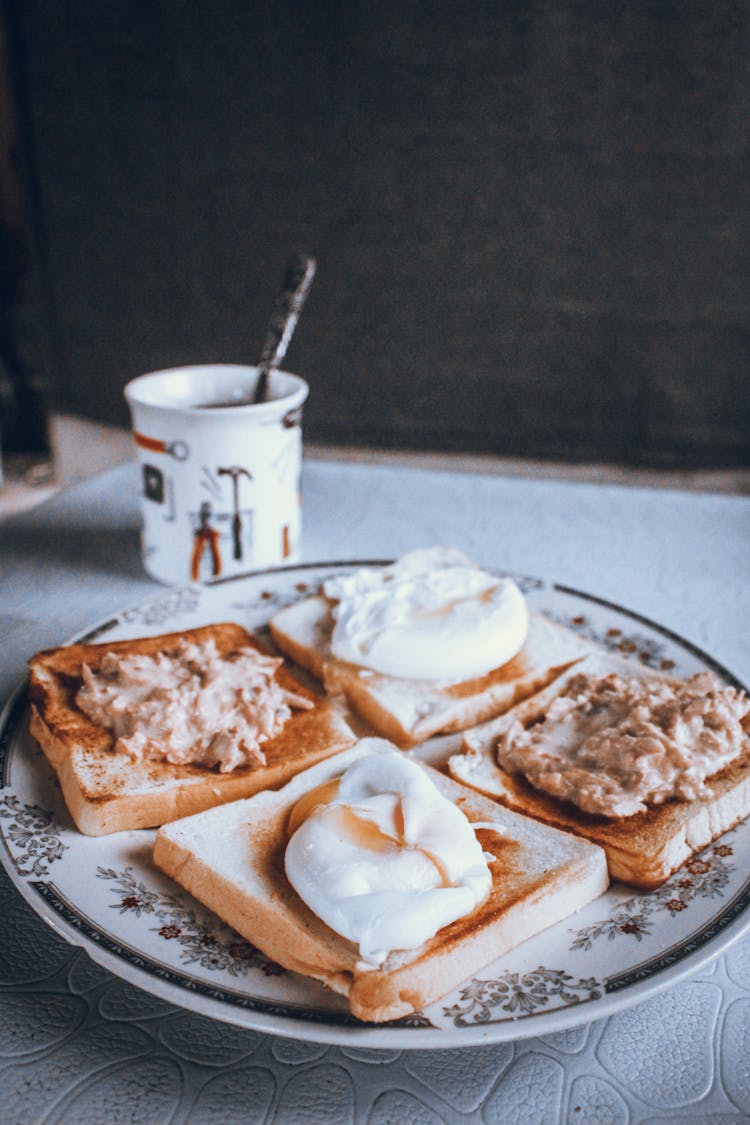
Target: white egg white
{"type": "Point", "coordinates": [432, 615]}
{"type": "Point", "coordinates": [425, 869]}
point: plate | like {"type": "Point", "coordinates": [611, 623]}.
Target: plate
{"type": "Point", "coordinates": [104, 895]}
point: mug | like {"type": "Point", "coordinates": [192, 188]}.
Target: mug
{"type": "Point", "coordinates": [220, 474]}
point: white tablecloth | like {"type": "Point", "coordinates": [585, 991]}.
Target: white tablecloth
{"type": "Point", "coordinates": [78, 1045]}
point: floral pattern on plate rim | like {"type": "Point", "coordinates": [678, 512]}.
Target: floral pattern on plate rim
{"type": "Point", "coordinates": [201, 938]}
{"type": "Point", "coordinates": [705, 875]}
{"type": "Point", "coordinates": [32, 832]}
{"type": "Point", "coordinates": [519, 994]}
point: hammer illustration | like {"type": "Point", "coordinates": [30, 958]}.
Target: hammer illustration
{"type": "Point", "coordinates": [235, 472]}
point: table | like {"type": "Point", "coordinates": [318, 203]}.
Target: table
{"type": "Point", "coordinates": [79, 1045]}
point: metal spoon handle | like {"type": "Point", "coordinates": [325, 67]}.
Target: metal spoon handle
{"type": "Point", "coordinates": [297, 281]}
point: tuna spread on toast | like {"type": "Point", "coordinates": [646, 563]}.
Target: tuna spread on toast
{"type": "Point", "coordinates": [614, 745]}
{"type": "Point", "coordinates": [189, 705]}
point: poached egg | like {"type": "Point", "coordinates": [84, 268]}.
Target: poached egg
{"type": "Point", "coordinates": [382, 857]}
{"type": "Point", "coordinates": [431, 615]}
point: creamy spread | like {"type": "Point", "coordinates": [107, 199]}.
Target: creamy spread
{"type": "Point", "coordinates": [431, 615]}
{"type": "Point", "coordinates": [614, 745]}
{"type": "Point", "coordinates": [189, 705]}
{"type": "Point", "coordinates": [382, 857]}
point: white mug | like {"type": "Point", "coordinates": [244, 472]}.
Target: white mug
{"type": "Point", "coordinates": [220, 474]}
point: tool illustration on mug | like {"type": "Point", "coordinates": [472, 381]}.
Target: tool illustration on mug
{"type": "Point", "coordinates": [292, 420]}
{"type": "Point", "coordinates": [286, 468]}
{"type": "Point", "coordinates": [159, 489]}
{"type": "Point", "coordinates": [208, 546]}
{"type": "Point", "coordinates": [180, 450]}
{"type": "Point", "coordinates": [205, 537]}
{"type": "Point", "coordinates": [235, 472]}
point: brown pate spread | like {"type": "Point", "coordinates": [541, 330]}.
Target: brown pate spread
{"type": "Point", "coordinates": [189, 705]}
{"type": "Point", "coordinates": [614, 746]}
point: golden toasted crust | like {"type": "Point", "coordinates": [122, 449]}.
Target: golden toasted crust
{"type": "Point", "coordinates": [232, 860]}
{"type": "Point", "coordinates": [642, 850]}
{"type": "Point", "coordinates": [410, 711]}
{"type": "Point", "coordinates": [106, 791]}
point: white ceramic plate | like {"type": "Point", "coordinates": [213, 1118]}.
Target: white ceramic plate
{"type": "Point", "coordinates": [104, 894]}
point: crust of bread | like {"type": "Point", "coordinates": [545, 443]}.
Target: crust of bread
{"type": "Point", "coordinates": [642, 850]}
{"type": "Point", "coordinates": [232, 860]}
{"type": "Point", "coordinates": [409, 711]}
{"type": "Point", "coordinates": [106, 791]}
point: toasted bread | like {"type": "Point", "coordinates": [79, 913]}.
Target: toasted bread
{"type": "Point", "coordinates": [642, 850]}
{"type": "Point", "coordinates": [232, 860]}
{"type": "Point", "coordinates": [107, 791]}
{"type": "Point", "coordinates": [408, 711]}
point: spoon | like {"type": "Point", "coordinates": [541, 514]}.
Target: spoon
{"type": "Point", "coordinates": [297, 281]}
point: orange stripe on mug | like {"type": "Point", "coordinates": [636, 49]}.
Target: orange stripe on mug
{"type": "Point", "coordinates": [153, 444]}
{"type": "Point", "coordinates": [176, 449]}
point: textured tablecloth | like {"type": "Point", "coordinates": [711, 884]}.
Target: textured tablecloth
{"type": "Point", "coordinates": [79, 1045]}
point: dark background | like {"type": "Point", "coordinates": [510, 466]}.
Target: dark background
{"type": "Point", "coordinates": [531, 219]}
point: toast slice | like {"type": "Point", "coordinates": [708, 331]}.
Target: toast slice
{"type": "Point", "coordinates": [232, 860]}
{"type": "Point", "coordinates": [408, 711]}
{"type": "Point", "coordinates": [642, 850]}
{"type": "Point", "coordinates": [107, 791]}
